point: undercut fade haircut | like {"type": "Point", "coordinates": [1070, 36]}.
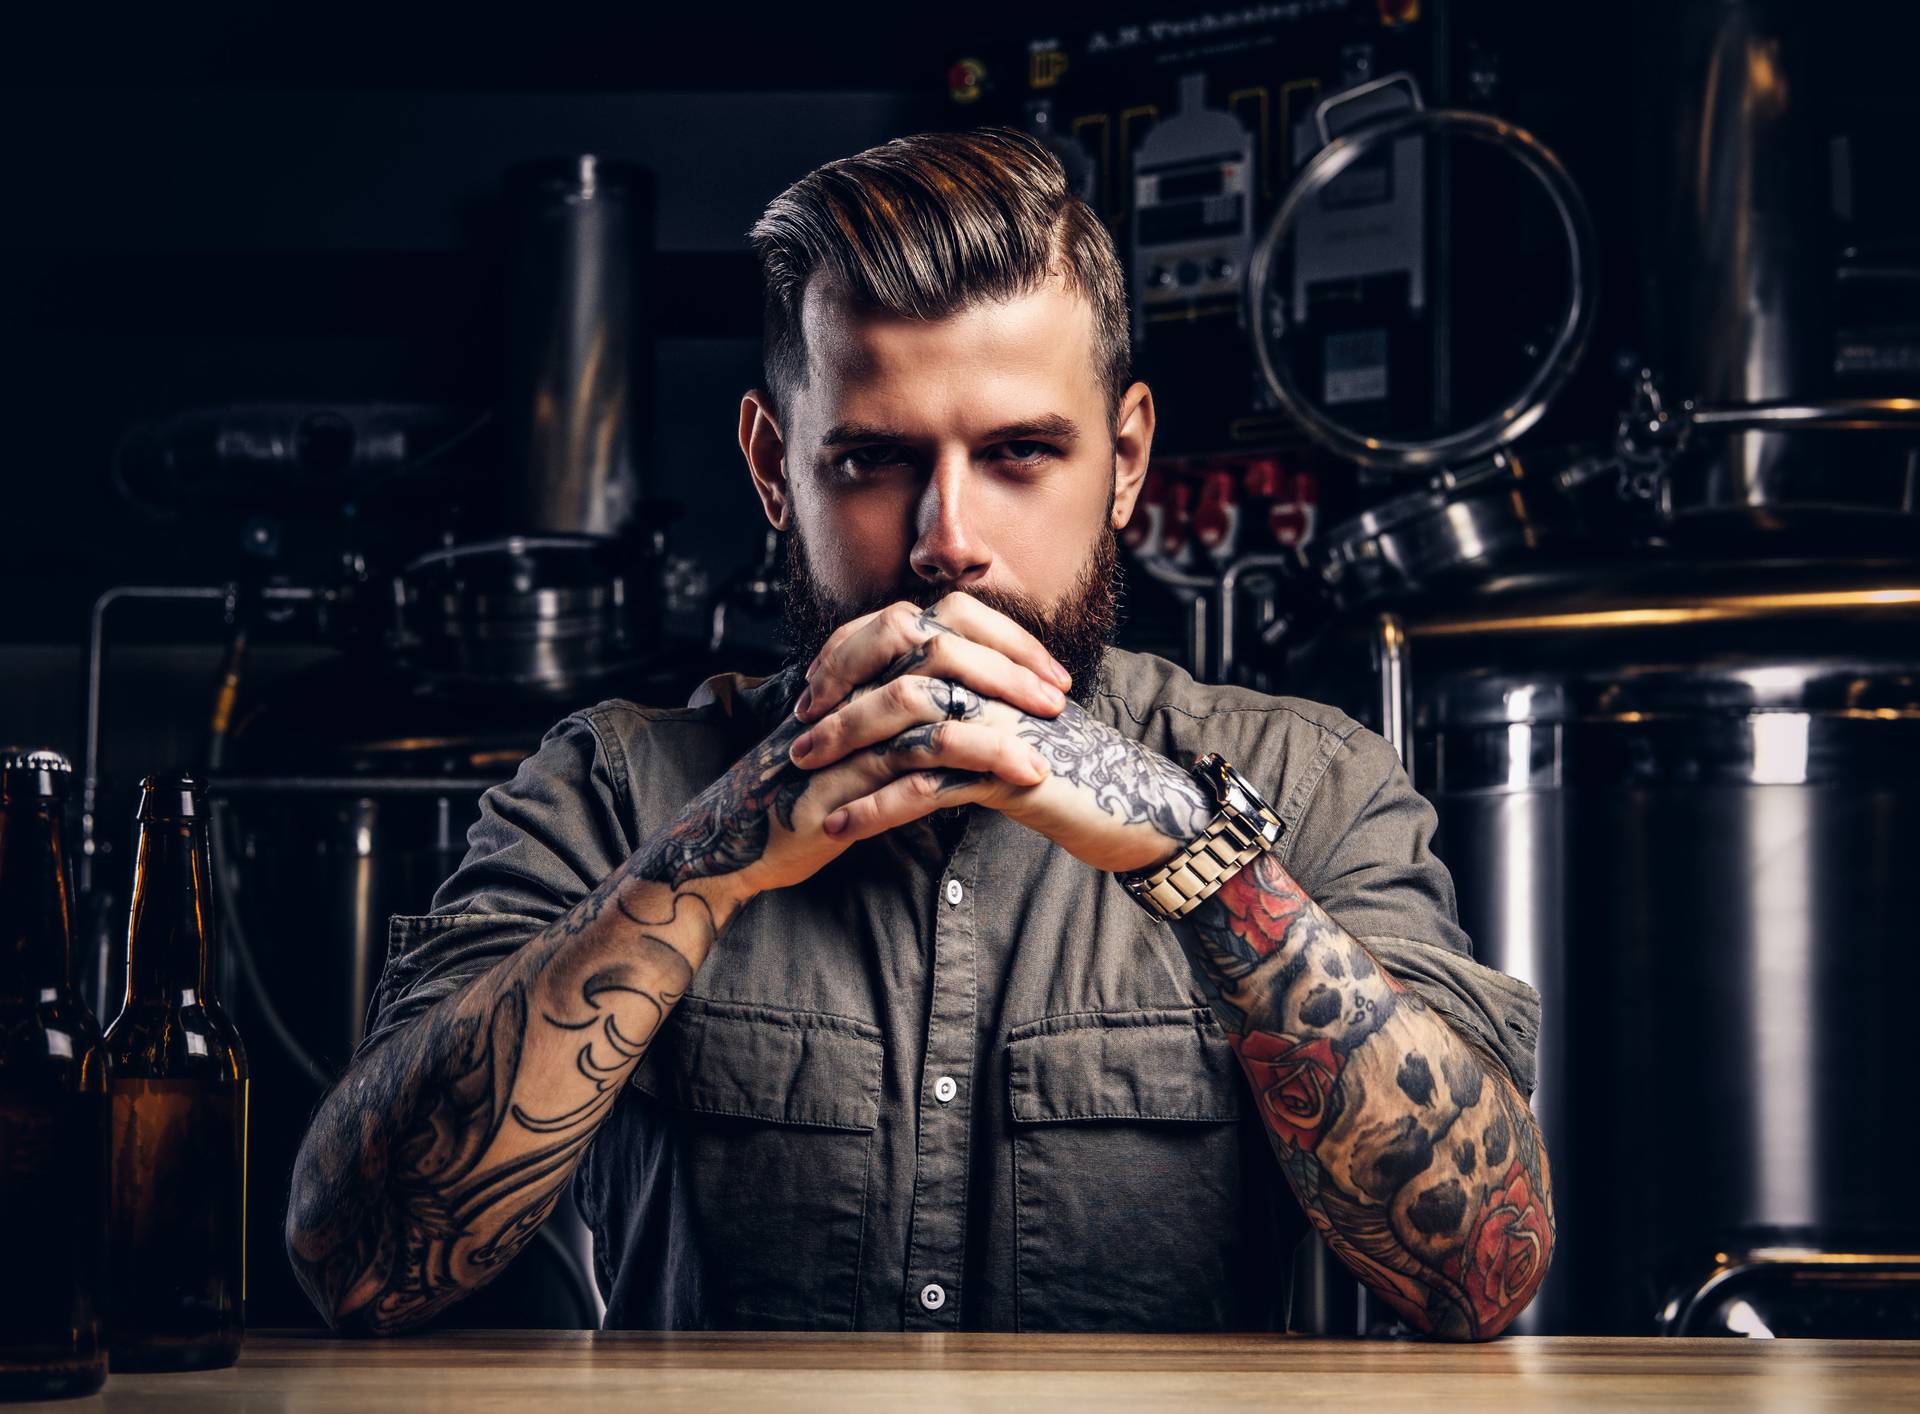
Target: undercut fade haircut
{"type": "Point", "coordinates": [925, 226]}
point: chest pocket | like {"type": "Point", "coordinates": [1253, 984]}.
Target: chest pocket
{"type": "Point", "coordinates": [772, 1114]}
{"type": "Point", "coordinates": [1127, 1173]}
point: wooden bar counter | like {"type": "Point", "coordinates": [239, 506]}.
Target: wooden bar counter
{"type": "Point", "coordinates": [636, 1373]}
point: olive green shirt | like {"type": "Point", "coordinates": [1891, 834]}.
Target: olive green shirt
{"type": "Point", "coordinates": [948, 1088]}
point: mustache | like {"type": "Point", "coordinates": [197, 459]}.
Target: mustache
{"type": "Point", "coordinates": [1077, 632]}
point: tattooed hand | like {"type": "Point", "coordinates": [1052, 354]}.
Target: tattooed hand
{"type": "Point", "coordinates": [948, 700]}
{"type": "Point", "coordinates": [762, 825]}
{"type": "Point", "coordinates": [959, 639]}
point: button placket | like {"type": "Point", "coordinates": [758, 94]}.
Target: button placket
{"type": "Point", "coordinates": [936, 1250]}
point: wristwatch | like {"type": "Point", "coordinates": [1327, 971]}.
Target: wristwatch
{"type": "Point", "coordinates": [1245, 828]}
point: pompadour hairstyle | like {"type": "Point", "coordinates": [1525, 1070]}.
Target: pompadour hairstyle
{"type": "Point", "coordinates": [925, 226]}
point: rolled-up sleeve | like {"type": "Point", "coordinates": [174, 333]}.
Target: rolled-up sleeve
{"type": "Point", "coordinates": [1362, 851]}
{"type": "Point", "coordinates": [544, 840]}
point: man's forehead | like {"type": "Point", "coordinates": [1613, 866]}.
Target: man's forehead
{"type": "Point", "coordinates": [1045, 334]}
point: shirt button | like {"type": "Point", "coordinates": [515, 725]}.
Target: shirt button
{"type": "Point", "coordinates": [933, 1296]}
{"type": "Point", "coordinates": [954, 892]}
{"type": "Point", "coordinates": [944, 1089]}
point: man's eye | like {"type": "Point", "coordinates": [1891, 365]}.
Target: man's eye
{"type": "Point", "coordinates": [1026, 451]}
{"type": "Point", "coordinates": [872, 458]}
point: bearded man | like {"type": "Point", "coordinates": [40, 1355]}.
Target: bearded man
{"type": "Point", "coordinates": [969, 973]}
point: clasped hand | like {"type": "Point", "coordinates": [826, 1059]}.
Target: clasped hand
{"type": "Point", "coordinates": [914, 710]}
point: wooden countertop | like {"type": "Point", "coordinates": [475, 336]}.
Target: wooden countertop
{"type": "Point", "coordinates": [532, 1372]}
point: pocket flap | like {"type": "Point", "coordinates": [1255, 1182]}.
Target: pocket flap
{"type": "Point", "coordinates": [1159, 1064]}
{"type": "Point", "coordinates": [766, 1063]}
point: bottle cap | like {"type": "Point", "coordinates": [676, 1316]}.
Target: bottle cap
{"type": "Point", "coordinates": [173, 795]}
{"type": "Point", "coordinates": [29, 773]}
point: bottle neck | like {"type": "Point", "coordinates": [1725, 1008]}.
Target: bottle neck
{"type": "Point", "coordinates": [36, 922]}
{"type": "Point", "coordinates": [171, 913]}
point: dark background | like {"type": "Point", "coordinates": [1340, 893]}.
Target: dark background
{"type": "Point", "coordinates": [234, 203]}
{"type": "Point", "coordinates": [230, 203]}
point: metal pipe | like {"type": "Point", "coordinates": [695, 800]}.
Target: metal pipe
{"type": "Point", "coordinates": [1396, 685]}
{"type": "Point", "coordinates": [1192, 589]}
{"type": "Point", "coordinates": [1197, 646]}
{"type": "Point", "coordinates": [365, 928]}
{"type": "Point", "coordinates": [1749, 264]}
{"type": "Point", "coordinates": [96, 653]}
{"type": "Point", "coordinates": [580, 344]}
{"type": "Point", "coordinates": [369, 787]}
{"type": "Point", "coordinates": [1831, 415]}
{"type": "Point", "coordinates": [1672, 610]}
{"type": "Point", "coordinates": [1230, 586]}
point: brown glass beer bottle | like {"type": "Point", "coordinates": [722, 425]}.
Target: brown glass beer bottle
{"type": "Point", "coordinates": [177, 1241]}
{"type": "Point", "coordinates": [53, 1105]}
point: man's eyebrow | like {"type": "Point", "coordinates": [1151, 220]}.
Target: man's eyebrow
{"type": "Point", "coordinates": [842, 433]}
{"type": "Point", "coordinates": [1050, 424]}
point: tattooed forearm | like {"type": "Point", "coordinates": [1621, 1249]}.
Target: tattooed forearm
{"type": "Point", "coordinates": [725, 829]}
{"type": "Point", "coordinates": [1132, 782]}
{"type": "Point", "coordinates": [438, 1155]}
{"type": "Point", "coordinates": [1412, 1155]}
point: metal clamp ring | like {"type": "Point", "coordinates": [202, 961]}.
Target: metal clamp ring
{"type": "Point", "coordinates": [1525, 407]}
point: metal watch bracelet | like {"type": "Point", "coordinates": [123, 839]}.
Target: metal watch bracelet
{"type": "Point", "coordinates": [1245, 828]}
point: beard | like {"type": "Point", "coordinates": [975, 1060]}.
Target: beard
{"type": "Point", "coordinates": [1077, 631]}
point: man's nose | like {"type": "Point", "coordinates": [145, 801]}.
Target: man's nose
{"type": "Point", "coordinates": [948, 548]}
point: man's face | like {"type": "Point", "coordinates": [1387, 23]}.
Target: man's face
{"type": "Point", "coordinates": [976, 452]}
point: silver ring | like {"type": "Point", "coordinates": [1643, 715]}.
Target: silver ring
{"type": "Point", "coordinates": [960, 701]}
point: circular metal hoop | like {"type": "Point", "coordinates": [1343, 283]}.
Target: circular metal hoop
{"type": "Point", "coordinates": [1524, 409]}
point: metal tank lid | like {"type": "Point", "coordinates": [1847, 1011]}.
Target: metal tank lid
{"type": "Point", "coordinates": [1626, 692]}
{"type": "Point", "coordinates": [1658, 635]}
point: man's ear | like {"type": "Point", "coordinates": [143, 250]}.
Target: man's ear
{"type": "Point", "coordinates": [766, 453]}
{"type": "Point", "coordinates": [1132, 450]}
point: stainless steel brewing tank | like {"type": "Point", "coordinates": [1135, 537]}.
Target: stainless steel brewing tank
{"type": "Point", "coordinates": [1684, 802]}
